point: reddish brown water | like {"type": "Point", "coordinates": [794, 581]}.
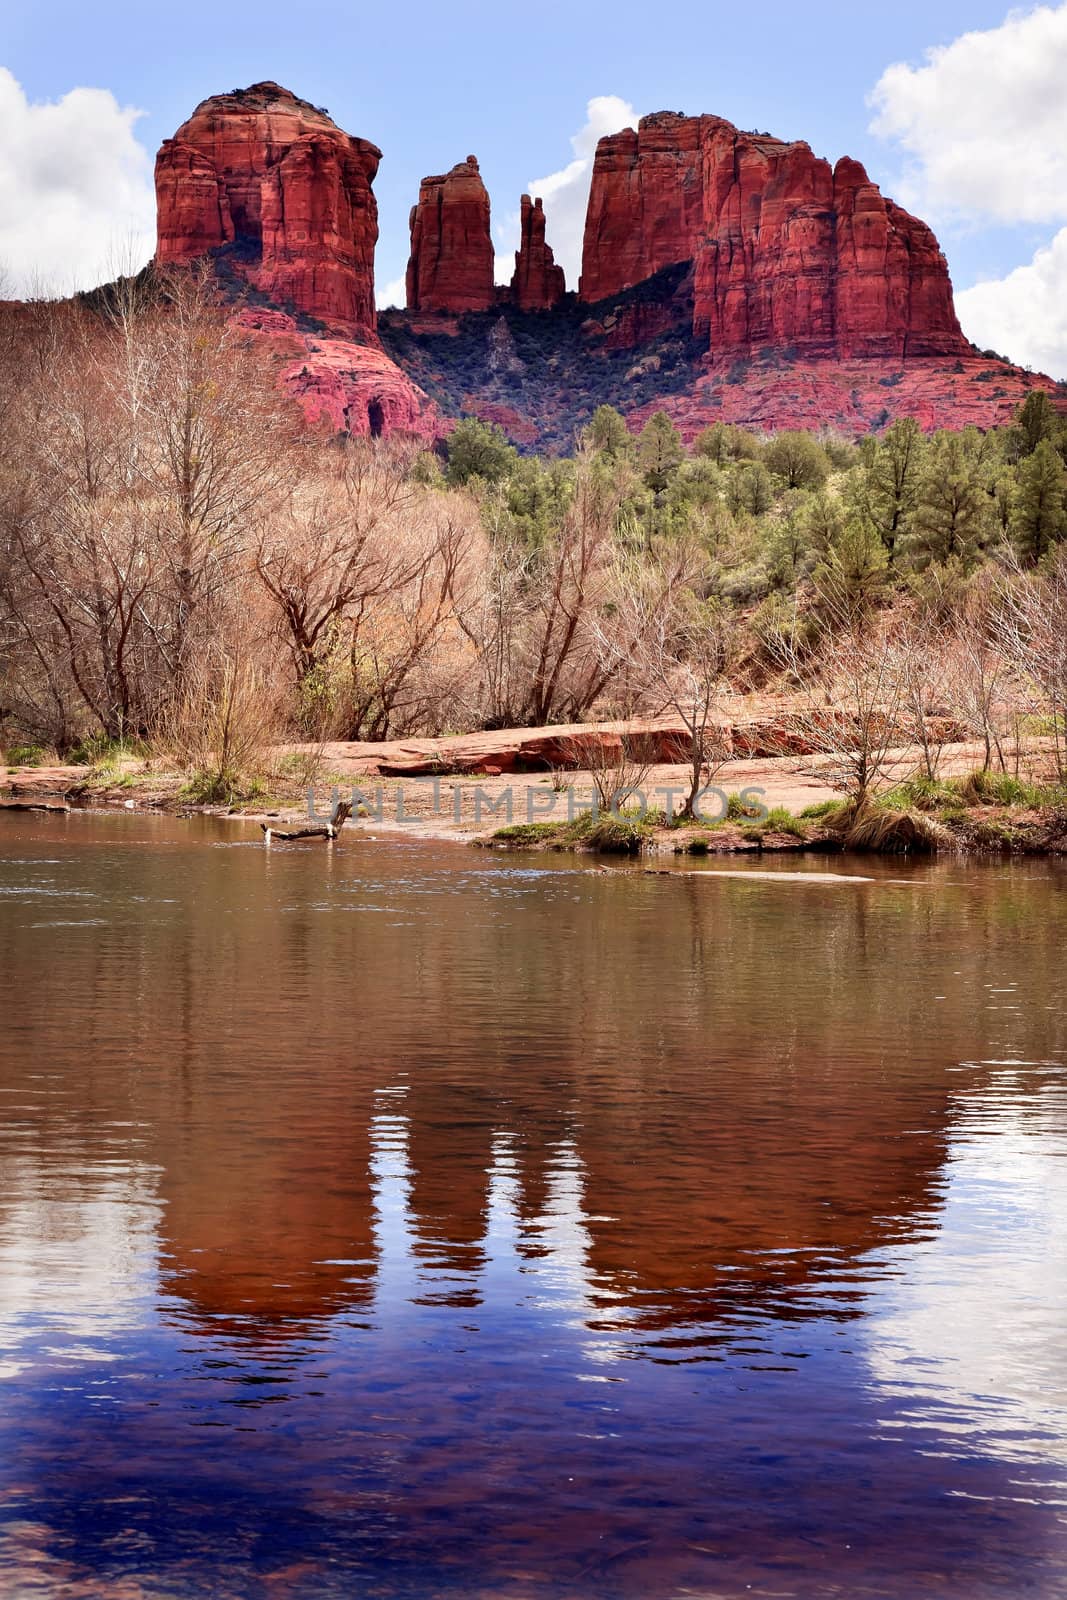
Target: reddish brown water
{"type": "Point", "coordinates": [402, 1221]}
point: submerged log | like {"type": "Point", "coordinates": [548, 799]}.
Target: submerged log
{"type": "Point", "coordinates": [33, 805]}
{"type": "Point", "coordinates": [321, 830]}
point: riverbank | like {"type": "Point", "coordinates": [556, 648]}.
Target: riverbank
{"type": "Point", "coordinates": [758, 804]}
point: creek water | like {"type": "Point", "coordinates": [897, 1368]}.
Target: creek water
{"type": "Point", "coordinates": [402, 1220]}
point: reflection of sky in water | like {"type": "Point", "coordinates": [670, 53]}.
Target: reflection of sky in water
{"type": "Point", "coordinates": [970, 1333]}
{"type": "Point", "coordinates": [77, 1261]}
{"type": "Point", "coordinates": [740, 1310]}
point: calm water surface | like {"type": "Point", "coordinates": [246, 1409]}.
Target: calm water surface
{"type": "Point", "coordinates": [404, 1221]}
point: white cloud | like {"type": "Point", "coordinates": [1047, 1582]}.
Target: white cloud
{"type": "Point", "coordinates": [1023, 315]}
{"type": "Point", "coordinates": [968, 1333]}
{"type": "Point", "coordinates": [76, 192]}
{"type": "Point", "coordinates": [983, 126]}
{"type": "Point", "coordinates": [393, 293]}
{"type": "Point", "coordinates": [566, 192]}
{"type": "Point", "coordinates": [984, 121]}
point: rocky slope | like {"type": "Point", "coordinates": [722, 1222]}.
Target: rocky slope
{"type": "Point", "coordinates": [281, 199]}
{"type": "Point", "coordinates": [726, 275]}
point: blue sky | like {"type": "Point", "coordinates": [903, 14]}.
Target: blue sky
{"type": "Point", "coordinates": [431, 84]}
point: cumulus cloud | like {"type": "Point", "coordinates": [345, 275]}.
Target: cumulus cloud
{"type": "Point", "coordinates": [393, 293]}
{"type": "Point", "coordinates": [983, 126]}
{"type": "Point", "coordinates": [984, 121]}
{"type": "Point", "coordinates": [566, 192]}
{"type": "Point", "coordinates": [76, 193]}
{"type": "Point", "coordinates": [1023, 315]}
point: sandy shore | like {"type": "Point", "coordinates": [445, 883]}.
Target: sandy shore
{"type": "Point", "coordinates": [465, 808]}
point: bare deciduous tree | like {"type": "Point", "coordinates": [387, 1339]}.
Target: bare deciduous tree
{"type": "Point", "coordinates": [1032, 630]}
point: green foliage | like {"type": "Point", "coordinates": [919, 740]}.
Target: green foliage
{"type": "Point", "coordinates": [606, 835]}
{"type": "Point", "coordinates": [608, 434]}
{"type": "Point", "coordinates": [97, 750]}
{"type": "Point", "coordinates": [750, 489]}
{"type": "Point", "coordinates": [884, 491]}
{"type": "Point", "coordinates": [426, 469]}
{"type": "Point", "coordinates": [478, 450]}
{"type": "Point", "coordinates": [1037, 518]}
{"type": "Point", "coordinates": [952, 515]}
{"type": "Point", "coordinates": [779, 820]}
{"type": "Point", "coordinates": [854, 570]}
{"type": "Point", "coordinates": [27, 755]}
{"type": "Point", "coordinates": [821, 810]}
{"type": "Point", "coordinates": [1036, 422]}
{"type": "Point", "coordinates": [660, 451]}
{"type": "Point", "coordinates": [797, 460]}
{"type": "Point", "coordinates": [220, 788]}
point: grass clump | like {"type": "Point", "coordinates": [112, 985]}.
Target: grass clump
{"type": "Point", "coordinates": [220, 788]}
{"type": "Point", "coordinates": [29, 755]}
{"type": "Point", "coordinates": [526, 833]}
{"type": "Point", "coordinates": [891, 830]}
{"type": "Point", "coordinates": [1001, 789]}
{"type": "Point", "coordinates": [822, 810]}
{"type": "Point", "coordinates": [780, 820]}
{"type": "Point", "coordinates": [97, 750]}
{"type": "Point", "coordinates": [606, 835]}
{"type": "Point", "coordinates": [885, 824]}
{"type": "Point", "coordinates": [921, 793]}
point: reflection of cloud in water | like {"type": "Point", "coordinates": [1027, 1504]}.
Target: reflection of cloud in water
{"type": "Point", "coordinates": [77, 1263]}
{"type": "Point", "coordinates": [971, 1337]}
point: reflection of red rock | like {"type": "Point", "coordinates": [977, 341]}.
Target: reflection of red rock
{"type": "Point", "coordinates": [452, 257]}
{"type": "Point", "coordinates": [277, 180]}
{"type": "Point", "coordinates": [538, 284]}
{"type": "Point", "coordinates": [789, 253]}
{"type": "Point", "coordinates": [263, 1245]}
{"type": "Point", "coordinates": [450, 1155]}
{"type": "Point", "coordinates": [692, 1213]}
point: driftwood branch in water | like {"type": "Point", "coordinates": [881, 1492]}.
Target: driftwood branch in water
{"type": "Point", "coordinates": [323, 830]}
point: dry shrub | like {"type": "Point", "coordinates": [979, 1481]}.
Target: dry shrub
{"type": "Point", "coordinates": [617, 764]}
{"type": "Point", "coordinates": [888, 830]}
{"type": "Point", "coordinates": [221, 728]}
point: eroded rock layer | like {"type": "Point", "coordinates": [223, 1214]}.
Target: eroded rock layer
{"type": "Point", "coordinates": [538, 284]}
{"type": "Point", "coordinates": [451, 263]}
{"type": "Point", "coordinates": [788, 253]}
{"type": "Point", "coordinates": [276, 180]}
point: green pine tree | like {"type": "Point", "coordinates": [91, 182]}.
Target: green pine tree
{"type": "Point", "coordinates": [1038, 518]}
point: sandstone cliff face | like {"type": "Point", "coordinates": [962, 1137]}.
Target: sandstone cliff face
{"type": "Point", "coordinates": [538, 284]}
{"type": "Point", "coordinates": [788, 252]}
{"type": "Point", "coordinates": [451, 263]}
{"type": "Point", "coordinates": [278, 181]}
{"type": "Point", "coordinates": [645, 204]}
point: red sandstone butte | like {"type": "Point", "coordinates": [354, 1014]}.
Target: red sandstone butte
{"type": "Point", "coordinates": [645, 207]}
{"type": "Point", "coordinates": [276, 180]}
{"type": "Point", "coordinates": [538, 284]}
{"type": "Point", "coordinates": [452, 257]}
{"type": "Point", "coordinates": [788, 253]}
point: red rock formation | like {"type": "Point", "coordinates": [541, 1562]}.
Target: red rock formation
{"type": "Point", "coordinates": [645, 204]}
{"type": "Point", "coordinates": [538, 284]}
{"type": "Point", "coordinates": [277, 181]}
{"type": "Point", "coordinates": [343, 386]}
{"type": "Point", "coordinates": [855, 397]}
{"type": "Point", "coordinates": [451, 264]}
{"type": "Point", "coordinates": [788, 253]}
